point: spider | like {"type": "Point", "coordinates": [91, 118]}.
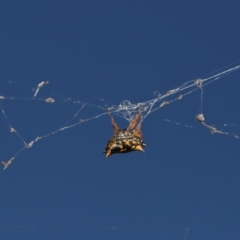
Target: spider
{"type": "Point", "coordinates": [126, 140]}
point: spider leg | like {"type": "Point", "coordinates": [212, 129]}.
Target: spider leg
{"type": "Point", "coordinates": [116, 129]}
{"type": "Point", "coordinates": [137, 132]}
{"type": "Point", "coordinates": [134, 121]}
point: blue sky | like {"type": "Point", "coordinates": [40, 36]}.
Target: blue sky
{"type": "Point", "coordinates": [185, 185]}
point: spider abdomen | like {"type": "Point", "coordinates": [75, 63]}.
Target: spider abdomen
{"type": "Point", "coordinates": [122, 142]}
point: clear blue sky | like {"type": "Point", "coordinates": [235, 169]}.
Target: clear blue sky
{"type": "Point", "coordinates": [102, 52]}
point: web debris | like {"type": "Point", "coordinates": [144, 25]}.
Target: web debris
{"type": "Point", "coordinates": [40, 85]}
{"type": "Point", "coordinates": [201, 119]}
{"type": "Point", "coordinates": [125, 109]}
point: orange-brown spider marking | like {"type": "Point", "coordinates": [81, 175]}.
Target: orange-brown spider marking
{"type": "Point", "coordinates": [126, 140]}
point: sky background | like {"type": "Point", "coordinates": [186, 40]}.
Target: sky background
{"type": "Point", "coordinates": [185, 185]}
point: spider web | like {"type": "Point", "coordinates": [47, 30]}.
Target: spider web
{"type": "Point", "coordinates": [126, 109]}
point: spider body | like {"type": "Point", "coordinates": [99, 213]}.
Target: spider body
{"type": "Point", "coordinates": [126, 140]}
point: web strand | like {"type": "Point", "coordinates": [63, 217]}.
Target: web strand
{"type": "Point", "coordinates": [125, 109]}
